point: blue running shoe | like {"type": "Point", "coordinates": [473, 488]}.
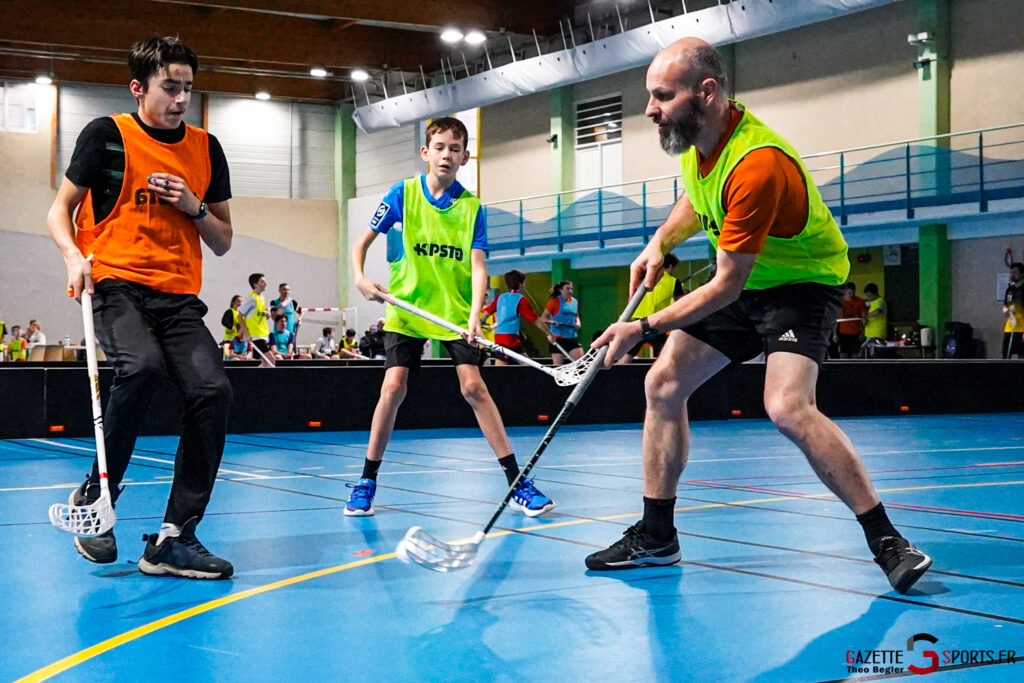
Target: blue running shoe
{"type": "Point", "coordinates": [360, 502]}
{"type": "Point", "coordinates": [528, 500]}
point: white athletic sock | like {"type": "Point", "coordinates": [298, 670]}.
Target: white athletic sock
{"type": "Point", "coordinates": [168, 530]}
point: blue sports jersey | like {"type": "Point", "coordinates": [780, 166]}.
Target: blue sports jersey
{"type": "Point", "coordinates": [279, 341]}
{"type": "Point", "coordinates": [389, 212]}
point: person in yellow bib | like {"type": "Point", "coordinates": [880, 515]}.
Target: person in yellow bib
{"type": "Point", "coordinates": [1013, 309]}
{"type": "Point", "coordinates": [17, 348]}
{"type": "Point", "coordinates": [437, 264]}
{"type": "Point", "coordinates": [667, 290]}
{"type": "Point", "coordinates": [231, 321]}
{"type": "Point", "coordinates": [876, 329]}
{"type": "Point", "coordinates": [255, 315]}
{"type": "Point", "coordinates": [781, 260]}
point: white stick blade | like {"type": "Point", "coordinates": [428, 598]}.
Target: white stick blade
{"type": "Point", "coordinates": [84, 520]}
{"type": "Point", "coordinates": [572, 374]}
{"type": "Point", "coordinates": [420, 547]}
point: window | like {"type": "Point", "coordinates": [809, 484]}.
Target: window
{"type": "Point", "coordinates": [599, 143]}
{"type": "Point", "coordinates": [18, 108]}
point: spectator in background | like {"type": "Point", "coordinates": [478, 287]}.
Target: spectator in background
{"type": "Point", "coordinates": [1013, 309]}
{"type": "Point", "coordinates": [667, 290]}
{"type": "Point", "coordinates": [3, 330]}
{"type": "Point", "coordinates": [281, 339]}
{"type": "Point", "coordinates": [17, 348]}
{"type": "Point", "coordinates": [509, 310]}
{"type": "Point", "coordinates": [35, 334]}
{"type": "Point", "coordinates": [325, 347]}
{"type": "Point", "coordinates": [851, 332]}
{"type": "Point", "coordinates": [562, 316]}
{"type": "Point", "coordinates": [231, 321]}
{"type": "Point", "coordinates": [372, 343]}
{"type": "Point", "coordinates": [239, 348]}
{"type": "Point", "coordinates": [254, 313]}
{"type": "Point", "coordinates": [287, 306]}
{"type": "Point", "coordinates": [349, 347]}
{"type": "Point", "coordinates": [876, 329]}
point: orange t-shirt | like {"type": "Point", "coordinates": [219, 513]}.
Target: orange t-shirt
{"type": "Point", "coordinates": [764, 195]}
{"type": "Point", "coordinates": [853, 308]}
{"type": "Point", "coordinates": [144, 240]}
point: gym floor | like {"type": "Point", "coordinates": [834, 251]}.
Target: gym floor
{"type": "Point", "coordinates": [776, 583]}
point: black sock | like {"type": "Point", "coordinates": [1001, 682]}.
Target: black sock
{"type": "Point", "coordinates": [876, 524]}
{"type": "Point", "coordinates": [370, 468]}
{"type": "Point", "coordinates": [508, 463]}
{"type": "Point", "coordinates": [658, 513]}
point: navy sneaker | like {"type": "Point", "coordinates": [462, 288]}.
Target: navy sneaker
{"type": "Point", "coordinates": [902, 563]}
{"type": "Point", "coordinates": [100, 549]}
{"type": "Point", "coordinates": [360, 501]}
{"type": "Point", "coordinates": [183, 556]}
{"type": "Point", "coordinates": [636, 548]}
{"type": "Point", "coordinates": [529, 500]}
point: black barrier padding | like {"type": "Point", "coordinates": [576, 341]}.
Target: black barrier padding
{"type": "Point", "coordinates": [342, 397]}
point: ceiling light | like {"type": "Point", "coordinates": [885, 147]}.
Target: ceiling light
{"type": "Point", "coordinates": [318, 72]}
{"type": "Point", "coordinates": [359, 75]}
{"type": "Point", "coordinates": [262, 95]}
{"type": "Point", "coordinates": [451, 35]}
{"type": "Point", "coordinates": [43, 79]}
{"type": "Point", "coordinates": [475, 37]}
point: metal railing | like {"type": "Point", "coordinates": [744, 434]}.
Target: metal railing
{"type": "Point", "coordinates": [973, 168]}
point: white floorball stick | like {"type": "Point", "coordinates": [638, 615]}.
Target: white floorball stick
{"type": "Point", "coordinates": [427, 551]}
{"type": "Point", "coordinates": [99, 517]}
{"type": "Point", "coordinates": [564, 375]}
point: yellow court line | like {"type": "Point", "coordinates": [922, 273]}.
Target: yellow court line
{"type": "Point", "coordinates": [72, 660]}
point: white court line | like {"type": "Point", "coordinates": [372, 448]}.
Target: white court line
{"type": "Point", "coordinates": [139, 457]}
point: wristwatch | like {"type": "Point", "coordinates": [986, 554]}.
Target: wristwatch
{"type": "Point", "coordinates": [648, 331]}
{"type": "Point", "coordinates": [203, 211]}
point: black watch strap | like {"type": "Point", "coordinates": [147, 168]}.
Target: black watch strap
{"type": "Point", "coordinates": [203, 211]}
{"type": "Point", "coordinates": [645, 327]}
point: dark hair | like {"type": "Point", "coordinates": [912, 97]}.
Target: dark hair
{"type": "Point", "coordinates": [279, 317]}
{"type": "Point", "coordinates": [147, 57]}
{"type": "Point", "coordinates": [669, 261]}
{"type": "Point", "coordinates": [851, 286]}
{"type": "Point", "coordinates": [871, 287]}
{"type": "Point", "coordinates": [705, 62]}
{"type": "Point", "coordinates": [1018, 265]}
{"type": "Point", "coordinates": [350, 332]}
{"type": "Point", "coordinates": [556, 289]}
{"type": "Point", "coordinates": [254, 278]}
{"type": "Point", "coordinates": [236, 296]}
{"type": "Point", "coordinates": [283, 284]}
{"type": "Point", "coordinates": [444, 124]}
{"type": "Point", "coordinates": [328, 330]}
{"type": "Point", "coordinates": [515, 278]}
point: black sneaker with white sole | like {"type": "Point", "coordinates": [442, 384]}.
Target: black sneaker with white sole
{"type": "Point", "coordinates": [636, 548]}
{"type": "Point", "coordinates": [183, 556]}
{"type": "Point", "coordinates": [100, 549]}
{"type": "Point", "coordinates": [902, 563]}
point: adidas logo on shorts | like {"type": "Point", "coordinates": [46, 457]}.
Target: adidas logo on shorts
{"type": "Point", "coordinates": [788, 336]}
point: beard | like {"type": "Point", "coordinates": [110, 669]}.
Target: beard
{"type": "Point", "coordinates": [681, 132]}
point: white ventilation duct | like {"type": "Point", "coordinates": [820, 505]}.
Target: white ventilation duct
{"type": "Point", "coordinates": [719, 25]}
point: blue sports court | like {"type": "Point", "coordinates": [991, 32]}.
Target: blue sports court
{"type": "Point", "coordinates": [776, 582]}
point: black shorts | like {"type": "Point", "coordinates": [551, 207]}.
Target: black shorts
{"type": "Point", "coordinates": [567, 343]}
{"type": "Point", "coordinates": [797, 318]}
{"type": "Point", "coordinates": [849, 343]}
{"type": "Point", "coordinates": [657, 344]}
{"type": "Point", "coordinates": [403, 351]}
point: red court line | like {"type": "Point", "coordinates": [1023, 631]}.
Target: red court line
{"type": "Point", "coordinates": [909, 469]}
{"type": "Point", "coordinates": [905, 506]}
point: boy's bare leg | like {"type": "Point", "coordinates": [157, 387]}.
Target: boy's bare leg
{"type": "Point", "coordinates": [392, 393]}
{"type": "Point", "coordinates": [487, 416]}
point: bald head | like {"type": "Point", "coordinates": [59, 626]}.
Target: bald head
{"type": "Point", "coordinates": [689, 61]}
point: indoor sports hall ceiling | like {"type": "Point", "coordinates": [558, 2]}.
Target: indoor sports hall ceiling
{"type": "Point", "coordinates": [250, 45]}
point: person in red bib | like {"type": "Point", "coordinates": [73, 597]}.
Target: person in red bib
{"type": "Point", "coordinates": [141, 191]}
{"type": "Point", "coordinates": [509, 310]}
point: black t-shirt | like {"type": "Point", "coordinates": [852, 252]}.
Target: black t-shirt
{"type": "Point", "coordinates": [98, 163]}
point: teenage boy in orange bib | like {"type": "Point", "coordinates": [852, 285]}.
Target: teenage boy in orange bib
{"type": "Point", "coordinates": [147, 188]}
